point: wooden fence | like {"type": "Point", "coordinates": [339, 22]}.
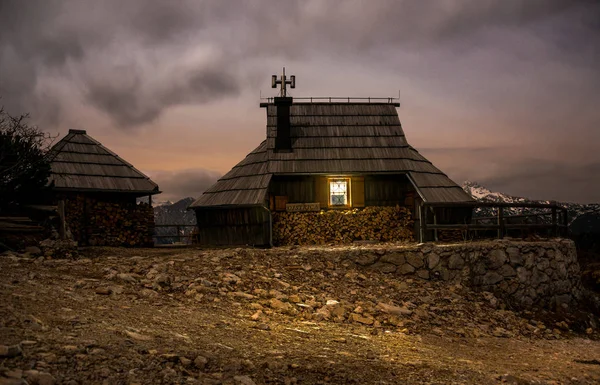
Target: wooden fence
{"type": "Point", "coordinates": [180, 234]}
{"type": "Point", "coordinates": [551, 220]}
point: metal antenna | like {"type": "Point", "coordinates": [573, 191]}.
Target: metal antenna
{"type": "Point", "coordinates": [283, 82]}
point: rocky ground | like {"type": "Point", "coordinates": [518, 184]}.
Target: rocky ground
{"type": "Point", "coordinates": [281, 316]}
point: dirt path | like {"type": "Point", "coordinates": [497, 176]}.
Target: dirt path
{"type": "Point", "coordinates": [254, 316]}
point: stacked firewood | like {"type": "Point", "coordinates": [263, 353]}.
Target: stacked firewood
{"type": "Point", "coordinates": [383, 224]}
{"type": "Point", "coordinates": [101, 223]}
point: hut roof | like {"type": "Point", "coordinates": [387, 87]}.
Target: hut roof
{"type": "Point", "coordinates": [80, 163]}
{"type": "Point", "coordinates": [332, 138]}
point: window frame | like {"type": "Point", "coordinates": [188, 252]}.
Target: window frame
{"type": "Point", "coordinates": [348, 181]}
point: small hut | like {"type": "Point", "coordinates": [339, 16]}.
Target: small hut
{"type": "Point", "coordinates": [99, 191]}
{"type": "Point", "coordinates": [327, 172]}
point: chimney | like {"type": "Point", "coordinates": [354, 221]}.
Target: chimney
{"type": "Point", "coordinates": [283, 141]}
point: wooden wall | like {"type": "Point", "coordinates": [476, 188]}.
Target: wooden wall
{"type": "Point", "coordinates": [239, 226]}
{"type": "Point", "coordinates": [387, 190]}
{"type": "Point", "coordinates": [370, 190]}
{"type": "Point", "coordinates": [298, 189]}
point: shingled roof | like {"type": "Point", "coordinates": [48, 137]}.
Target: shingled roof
{"type": "Point", "coordinates": [80, 163]}
{"type": "Point", "coordinates": [332, 138]}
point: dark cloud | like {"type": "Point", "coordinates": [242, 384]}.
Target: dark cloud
{"type": "Point", "coordinates": [110, 53]}
{"type": "Point", "coordinates": [70, 39]}
{"type": "Point", "coordinates": [548, 180]}
{"type": "Point", "coordinates": [129, 102]}
{"type": "Point", "coordinates": [177, 185]}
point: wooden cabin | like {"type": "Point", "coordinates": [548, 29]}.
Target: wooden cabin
{"type": "Point", "coordinates": [99, 191]}
{"type": "Point", "coordinates": [325, 159]}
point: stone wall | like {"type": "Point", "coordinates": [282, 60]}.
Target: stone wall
{"type": "Point", "coordinates": [524, 274]}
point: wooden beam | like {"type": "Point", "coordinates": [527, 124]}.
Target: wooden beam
{"type": "Point", "coordinates": [62, 226]}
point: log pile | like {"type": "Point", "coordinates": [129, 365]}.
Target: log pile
{"type": "Point", "coordinates": [383, 224]}
{"type": "Point", "coordinates": [103, 223]}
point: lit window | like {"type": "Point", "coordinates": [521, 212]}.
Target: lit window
{"type": "Point", "coordinates": [338, 192]}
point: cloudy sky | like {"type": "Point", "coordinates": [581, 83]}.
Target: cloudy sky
{"type": "Point", "coordinates": [503, 92]}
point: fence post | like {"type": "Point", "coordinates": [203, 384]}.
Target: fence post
{"type": "Point", "coordinates": [421, 223]}
{"type": "Point", "coordinates": [435, 232]}
{"type": "Point", "coordinates": [62, 227]}
{"type": "Point", "coordinates": [500, 223]}
{"type": "Point", "coordinates": [554, 221]}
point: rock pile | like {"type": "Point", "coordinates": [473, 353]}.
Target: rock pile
{"type": "Point", "coordinates": [243, 316]}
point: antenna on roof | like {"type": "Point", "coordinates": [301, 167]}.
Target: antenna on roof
{"type": "Point", "coordinates": [283, 82]}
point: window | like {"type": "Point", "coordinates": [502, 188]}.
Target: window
{"type": "Point", "coordinates": [338, 192]}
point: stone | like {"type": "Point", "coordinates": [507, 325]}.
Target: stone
{"type": "Point", "coordinates": [424, 274]}
{"type": "Point", "coordinates": [433, 260]}
{"type": "Point", "coordinates": [294, 298]}
{"type": "Point", "coordinates": [543, 264]}
{"type": "Point", "coordinates": [496, 258]}
{"type": "Point", "coordinates": [126, 278]}
{"type": "Point", "coordinates": [526, 302]}
{"type": "Point", "coordinates": [200, 362]}
{"type": "Point", "coordinates": [243, 380]}
{"type": "Point", "coordinates": [559, 256]}
{"type": "Point", "coordinates": [10, 351]}
{"type": "Point", "coordinates": [34, 250]}
{"type": "Point", "coordinates": [338, 311]}
{"type": "Point", "coordinates": [242, 295]}
{"type": "Point", "coordinates": [279, 305]}
{"type": "Point", "coordinates": [104, 290]}
{"type": "Point", "coordinates": [365, 320]}
{"type": "Point", "coordinates": [444, 274]}
{"type": "Point", "coordinates": [162, 280]}
{"type": "Point", "coordinates": [523, 274]}
{"type": "Point", "coordinates": [529, 260]}
{"type": "Point", "coordinates": [384, 267]}
{"type": "Point", "coordinates": [501, 332]}
{"type": "Point", "coordinates": [479, 268]}
{"type": "Point", "coordinates": [16, 373]}
{"type": "Point", "coordinates": [392, 309]}
{"type": "Point", "coordinates": [561, 270]}
{"type": "Point", "coordinates": [39, 378]}
{"type": "Point", "coordinates": [507, 271]}
{"type": "Point", "coordinates": [185, 361]}
{"type": "Point", "coordinates": [137, 336]}
{"type": "Point", "coordinates": [256, 316]}
{"type": "Point", "coordinates": [415, 260]}
{"type": "Point", "coordinates": [397, 259]}
{"type": "Point", "coordinates": [455, 262]}
{"type": "Point", "coordinates": [12, 381]}
{"type": "Point", "coordinates": [366, 259]}
{"type": "Point", "coordinates": [562, 299]}
{"type": "Point", "coordinates": [491, 278]}
{"type": "Point", "coordinates": [515, 258]}
{"type": "Point", "coordinates": [538, 277]}
{"type": "Point", "coordinates": [406, 269]}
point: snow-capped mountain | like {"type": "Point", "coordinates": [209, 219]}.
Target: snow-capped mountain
{"type": "Point", "coordinates": [483, 194]}
{"type": "Point", "coordinates": [174, 214]}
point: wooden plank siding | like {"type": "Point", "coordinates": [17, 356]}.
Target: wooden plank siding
{"type": "Point", "coordinates": [298, 189]}
{"type": "Point", "coordinates": [237, 226]}
{"type": "Point", "coordinates": [387, 190]}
